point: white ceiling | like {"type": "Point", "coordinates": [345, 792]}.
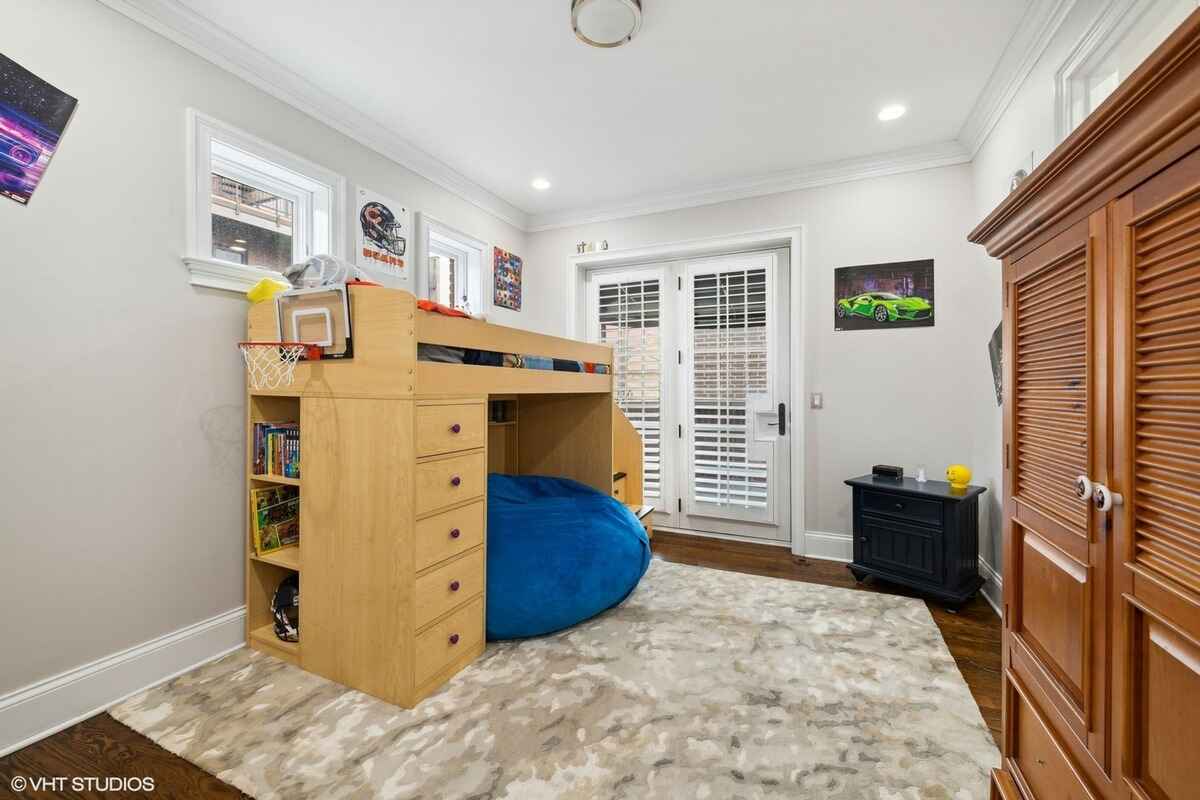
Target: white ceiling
{"type": "Point", "coordinates": [710, 92]}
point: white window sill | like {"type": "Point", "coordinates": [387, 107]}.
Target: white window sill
{"type": "Point", "coordinates": [214, 274]}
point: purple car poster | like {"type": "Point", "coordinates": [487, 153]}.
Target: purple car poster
{"type": "Point", "coordinates": [883, 297]}
{"type": "Point", "coordinates": [33, 116]}
{"type": "Point", "coordinates": [506, 271]}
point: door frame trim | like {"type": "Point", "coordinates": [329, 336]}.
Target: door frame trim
{"type": "Point", "coordinates": [792, 237]}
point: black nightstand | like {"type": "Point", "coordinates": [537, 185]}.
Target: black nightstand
{"type": "Point", "coordinates": [922, 535]}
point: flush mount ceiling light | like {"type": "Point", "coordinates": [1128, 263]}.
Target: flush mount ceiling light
{"type": "Point", "coordinates": [606, 23]}
{"type": "Point", "coordinates": [889, 113]}
{"type": "Point", "coordinates": [541, 184]}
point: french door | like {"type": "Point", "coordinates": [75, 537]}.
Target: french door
{"type": "Point", "coordinates": [701, 370]}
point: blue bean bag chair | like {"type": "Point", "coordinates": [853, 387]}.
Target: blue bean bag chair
{"type": "Point", "coordinates": [558, 552]}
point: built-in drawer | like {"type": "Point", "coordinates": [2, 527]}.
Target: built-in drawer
{"type": "Point", "coordinates": [903, 506]}
{"type": "Point", "coordinates": [449, 534]}
{"type": "Point", "coordinates": [450, 428]}
{"type": "Point", "coordinates": [446, 481]}
{"type": "Point", "coordinates": [450, 639]}
{"type": "Point", "coordinates": [618, 490]}
{"type": "Point", "coordinates": [447, 586]}
{"type": "Point", "coordinates": [1041, 762]}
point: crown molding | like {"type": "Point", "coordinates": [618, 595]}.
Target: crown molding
{"type": "Point", "coordinates": [893, 163]}
{"type": "Point", "coordinates": [191, 31]}
{"type": "Point", "coordinates": [1028, 43]}
{"type": "Point", "coordinates": [176, 22]}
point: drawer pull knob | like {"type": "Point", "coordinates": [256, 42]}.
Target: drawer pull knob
{"type": "Point", "coordinates": [454, 534]}
{"type": "Point", "coordinates": [455, 481]}
{"type": "Point", "coordinates": [899, 506]}
{"type": "Point", "coordinates": [454, 638]}
{"type": "Point", "coordinates": [456, 428]}
{"type": "Point", "coordinates": [454, 586]}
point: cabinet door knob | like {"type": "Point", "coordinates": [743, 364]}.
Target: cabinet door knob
{"type": "Point", "coordinates": [862, 539]}
{"type": "Point", "coordinates": [456, 428]}
{"type": "Point", "coordinates": [454, 638]}
{"type": "Point", "coordinates": [899, 506]}
{"type": "Point", "coordinates": [454, 534]}
{"type": "Point", "coordinates": [454, 586]}
{"type": "Point", "coordinates": [455, 481]}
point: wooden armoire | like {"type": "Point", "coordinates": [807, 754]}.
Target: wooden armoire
{"type": "Point", "coordinates": [1101, 257]}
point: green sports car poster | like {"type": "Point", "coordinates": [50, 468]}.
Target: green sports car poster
{"type": "Point", "coordinates": [875, 297]}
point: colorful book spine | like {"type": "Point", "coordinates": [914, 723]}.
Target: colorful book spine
{"type": "Point", "coordinates": [276, 449]}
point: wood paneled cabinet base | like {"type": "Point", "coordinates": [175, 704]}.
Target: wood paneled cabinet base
{"type": "Point", "coordinates": [1101, 257]}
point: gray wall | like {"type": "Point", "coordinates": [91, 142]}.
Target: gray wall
{"type": "Point", "coordinates": [120, 481]}
{"type": "Point", "coordinates": [912, 396]}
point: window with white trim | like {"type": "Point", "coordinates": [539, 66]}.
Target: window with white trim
{"type": "Point", "coordinates": [257, 207]}
{"type": "Point", "coordinates": [454, 267]}
{"type": "Point", "coordinates": [1114, 46]}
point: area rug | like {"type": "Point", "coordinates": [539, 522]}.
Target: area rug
{"type": "Point", "coordinates": [703, 684]}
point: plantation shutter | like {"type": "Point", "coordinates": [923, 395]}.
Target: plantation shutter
{"type": "Point", "coordinates": [629, 315]}
{"type": "Point", "coordinates": [729, 363]}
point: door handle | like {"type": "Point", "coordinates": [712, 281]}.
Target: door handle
{"type": "Point", "coordinates": [1106, 498]}
{"type": "Point", "coordinates": [783, 419]}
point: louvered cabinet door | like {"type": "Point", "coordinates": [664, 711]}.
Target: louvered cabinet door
{"type": "Point", "coordinates": [1157, 457]}
{"type": "Point", "coordinates": [1056, 600]}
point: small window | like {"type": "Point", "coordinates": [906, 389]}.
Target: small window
{"type": "Point", "coordinates": [454, 266]}
{"type": "Point", "coordinates": [1117, 43]}
{"type": "Point", "coordinates": [258, 206]}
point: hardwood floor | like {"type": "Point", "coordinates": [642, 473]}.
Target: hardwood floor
{"type": "Point", "coordinates": [972, 635]}
{"type": "Point", "coordinates": [101, 747]}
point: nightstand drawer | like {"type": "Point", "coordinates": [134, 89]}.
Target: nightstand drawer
{"type": "Point", "coordinates": [448, 429]}
{"type": "Point", "coordinates": [903, 506]}
{"type": "Point", "coordinates": [445, 481]}
{"type": "Point", "coordinates": [447, 586]}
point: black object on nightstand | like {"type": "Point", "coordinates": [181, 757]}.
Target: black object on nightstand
{"type": "Point", "coordinates": [922, 535]}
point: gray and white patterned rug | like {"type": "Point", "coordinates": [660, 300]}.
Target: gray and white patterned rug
{"type": "Point", "coordinates": [703, 684]}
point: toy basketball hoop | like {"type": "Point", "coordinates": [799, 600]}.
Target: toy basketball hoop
{"type": "Point", "coordinates": [270, 365]}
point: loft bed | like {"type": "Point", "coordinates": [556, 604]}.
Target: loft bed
{"type": "Point", "coordinates": [395, 453]}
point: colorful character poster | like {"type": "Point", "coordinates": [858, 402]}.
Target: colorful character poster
{"type": "Point", "coordinates": [33, 116]}
{"type": "Point", "coordinates": [384, 234]}
{"type": "Point", "coordinates": [506, 270]}
{"type": "Point", "coordinates": [883, 296]}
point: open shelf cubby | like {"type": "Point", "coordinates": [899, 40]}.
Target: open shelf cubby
{"type": "Point", "coordinates": [265, 572]}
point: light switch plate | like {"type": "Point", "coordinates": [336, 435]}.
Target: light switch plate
{"type": "Point", "coordinates": [817, 400]}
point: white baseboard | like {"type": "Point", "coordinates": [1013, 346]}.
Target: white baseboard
{"type": "Point", "coordinates": [992, 589]}
{"type": "Point", "coordinates": [829, 546]}
{"type": "Point", "coordinates": [51, 704]}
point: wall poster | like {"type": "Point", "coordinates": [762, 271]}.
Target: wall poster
{"type": "Point", "coordinates": [883, 296]}
{"type": "Point", "coordinates": [384, 234]}
{"type": "Point", "coordinates": [506, 270]}
{"type": "Point", "coordinates": [33, 116]}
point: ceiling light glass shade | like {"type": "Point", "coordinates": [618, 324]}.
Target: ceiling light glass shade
{"type": "Point", "coordinates": [606, 23]}
{"type": "Point", "coordinates": [541, 184]}
{"type": "Point", "coordinates": [889, 113]}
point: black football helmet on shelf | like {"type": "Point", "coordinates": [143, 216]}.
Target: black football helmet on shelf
{"type": "Point", "coordinates": [285, 608]}
{"type": "Point", "coordinates": [379, 225]}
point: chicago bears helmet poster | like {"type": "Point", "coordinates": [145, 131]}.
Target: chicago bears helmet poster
{"type": "Point", "coordinates": [384, 234]}
{"type": "Point", "coordinates": [33, 116]}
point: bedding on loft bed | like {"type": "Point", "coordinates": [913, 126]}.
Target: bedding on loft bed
{"type": "Point", "coordinates": [558, 553]}
{"type": "Point", "coordinates": [489, 358]}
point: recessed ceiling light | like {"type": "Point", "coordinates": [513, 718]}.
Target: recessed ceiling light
{"type": "Point", "coordinates": [541, 184]}
{"type": "Point", "coordinates": [889, 113]}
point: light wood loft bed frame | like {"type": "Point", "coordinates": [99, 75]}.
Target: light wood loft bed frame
{"type": "Point", "coordinates": [393, 485]}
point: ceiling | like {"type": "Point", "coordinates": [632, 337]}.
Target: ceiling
{"type": "Point", "coordinates": [710, 92]}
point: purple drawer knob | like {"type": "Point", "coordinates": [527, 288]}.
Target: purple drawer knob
{"type": "Point", "coordinates": [454, 638]}
{"type": "Point", "coordinates": [456, 428]}
{"type": "Point", "coordinates": [455, 481]}
{"type": "Point", "coordinates": [454, 534]}
{"type": "Point", "coordinates": [454, 586]}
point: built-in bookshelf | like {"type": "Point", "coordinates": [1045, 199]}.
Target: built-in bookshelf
{"type": "Point", "coordinates": [265, 572]}
{"type": "Point", "coordinates": [502, 434]}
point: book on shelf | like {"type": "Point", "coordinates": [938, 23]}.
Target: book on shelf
{"type": "Point", "coordinates": [274, 518]}
{"type": "Point", "coordinates": [277, 449]}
